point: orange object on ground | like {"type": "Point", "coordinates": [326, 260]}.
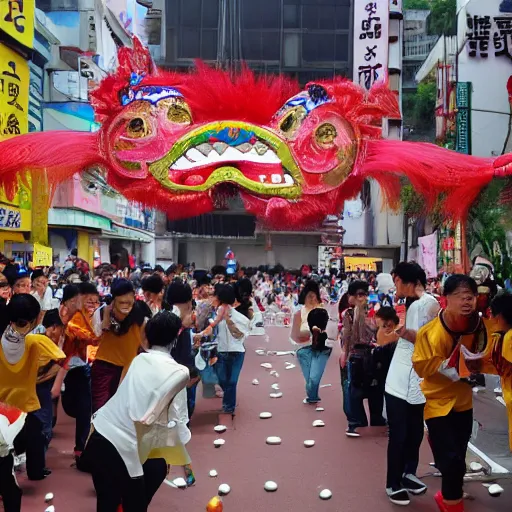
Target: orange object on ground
{"type": "Point", "coordinates": [215, 505]}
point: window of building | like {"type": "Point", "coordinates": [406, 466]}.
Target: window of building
{"type": "Point", "coordinates": [190, 43]}
{"type": "Point", "coordinates": [57, 5]}
{"type": "Point", "coordinates": [263, 14]}
{"type": "Point", "coordinates": [291, 16]}
{"type": "Point", "coordinates": [260, 45]}
{"type": "Point", "coordinates": [318, 47]}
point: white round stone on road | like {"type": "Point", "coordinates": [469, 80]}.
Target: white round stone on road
{"type": "Point", "coordinates": [265, 415]}
{"type": "Point", "coordinates": [51, 508]}
{"type": "Point", "coordinates": [275, 386]}
{"type": "Point", "coordinates": [218, 443]}
{"type": "Point", "coordinates": [273, 372]}
{"type": "Point", "coordinates": [276, 395]}
{"type": "Point", "coordinates": [48, 497]}
{"type": "Point", "coordinates": [220, 428]}
{"type": "Point", "coordinates": [276, 375]}
{"type": "Point", "coordinates": [289, 366]}
{"type": "Point", "coordinates": [308, 443]}
{"type": "Point", "coordinates": [320, 409]}
{"type": "Point", "coordinates": [267, 366]}
{"type": "Point", "coordinates": [273, 440]}
{"type": "Point", "coordinates": [260, 352]}
{"type": "Point", "coordinates": [318, 423]}
{"type": "Point", "coordinates": [495, 490]}
{"type": "Point", "coordinates": [224, 489]}
{"type": "Point", "coordinates": [475, 467]}
{"type": "Point", "coordinates": [180, 483]}
{"type": "Point", "coordinates": [325, 494]}
{"type": "Point", "coordinates": [213, 473]}
{"type": "Point", "coordinates": [270, 486]}
{"type": "Point", "coordinates": [255, 382]}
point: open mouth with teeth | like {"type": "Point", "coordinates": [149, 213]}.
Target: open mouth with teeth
{"type": "Point", "coordinates": [251, 157]}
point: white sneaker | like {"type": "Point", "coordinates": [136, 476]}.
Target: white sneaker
{"type": "Point", "coordinates": [413, 484]}
{"type": "Point", "coordinates": [398, 496]}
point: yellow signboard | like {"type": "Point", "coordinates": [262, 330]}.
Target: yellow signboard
{"type": "Point", "coordinates": [43, 256]}
{"type": "Point", "coordinates": [17, 20]}
{"type": "Point", "coordinates": [14, 86]}
{"type": "Point", "coordinates": [355, 264]}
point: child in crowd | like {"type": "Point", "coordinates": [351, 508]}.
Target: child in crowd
{"type": "Point", "coordinates": [387, 321]}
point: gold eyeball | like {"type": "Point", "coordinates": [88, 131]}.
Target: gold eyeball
{"type": "Point", "coordinates": [292, 120]}
{"type": "Point", "coordinates": [326, 134]}
{"type": "Point", "coordinates": [179, 114]}
{"type": "Point", "coordinates": [137, 128]}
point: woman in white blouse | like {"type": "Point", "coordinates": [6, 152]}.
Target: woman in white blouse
{"type": "Point", "coordinates": [147, 414]}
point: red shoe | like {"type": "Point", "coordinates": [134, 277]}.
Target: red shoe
{"type": "Point", "coordinates": [445, 507]}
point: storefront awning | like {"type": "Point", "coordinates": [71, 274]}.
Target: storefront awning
{"type": "Point", "coordinates": [118, 232]}
{"type": "Point", "coordinates": [78, 218]}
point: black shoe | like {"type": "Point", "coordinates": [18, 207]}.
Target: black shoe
{"type": "Point", "coordinates": [352, 432]}
{"type": "Point", "coordinates": [46, 472]}
{"type": "Point", "coordinates": [398, 496]}
{"type": "Point", "coordinates": [414, 485]}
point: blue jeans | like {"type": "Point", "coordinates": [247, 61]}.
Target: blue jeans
{"type": "Point", "coordinates": [312, 363]}
{"type": "Point", "coordinates": [228, 368]}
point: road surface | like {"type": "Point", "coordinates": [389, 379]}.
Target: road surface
{"type": "Point", "coordinates": [353, 469]}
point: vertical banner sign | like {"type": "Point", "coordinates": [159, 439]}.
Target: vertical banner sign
{"type": "Point", "coordinates": [371, 39]}
{"type": "Point", "coordinates": [395, 6]}
{"type": "Point", "coordinates": [464, 118]}
{"type": "Point", "coordinates": [17, 20]}
{"type": "Point", "coordinates": [14, 86]}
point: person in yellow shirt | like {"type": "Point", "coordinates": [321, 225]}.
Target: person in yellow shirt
{"type": "Point", "coordinates": [120, 342]}
{"type": "Point", "coordinates": [449, 397]}
{"type": "Point", "coordinates": [499, 351]}
{"type": "Point", "coordinates": [28, 366]}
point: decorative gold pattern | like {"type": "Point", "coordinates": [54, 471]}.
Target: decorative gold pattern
{"type": "Point", "coordinates": [292, 121]}
{"type": "Point", "coordinates": [325, 134]}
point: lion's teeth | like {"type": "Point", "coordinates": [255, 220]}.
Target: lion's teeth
{"type": "Point", "coordinates": [205, 149]}
{"type": "Point", "coordinates": [194, 155]}
{"type": "Point", "coordinates": [220, 147]}
{"type": "Point", "coordinates": [276, 178]}
{"type": "Point", "coordinates": [288, 179]}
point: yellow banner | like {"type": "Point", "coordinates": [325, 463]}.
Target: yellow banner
{"type": "Point", "coordinates": [43, 256]}
{"type": "Point", "coordinates": [14, 86]}
{"type": "Point", "coordinates": [354, 264]}
{"type": "Point", "coordinates": [17, 20]}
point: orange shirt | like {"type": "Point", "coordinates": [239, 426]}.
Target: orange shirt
{"type": "Point", "coordinates": [120, 350]}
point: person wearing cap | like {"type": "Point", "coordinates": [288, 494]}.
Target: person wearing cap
{"type": "Point", "coordinates": [40, 289]}
{"type": "Point", "coordinates": [28, 365]}
{"type": "Point", "coordinates": [18, 278]}
{"type": "Point", "coordinates": [82, 332]}
{"type": "Point", "coordinates": [120, 341]}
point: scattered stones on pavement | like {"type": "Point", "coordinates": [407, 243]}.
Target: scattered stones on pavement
{"type": "Point", "coordinates": [265, 415]}
{"type": "Point", "coordinates": [495, 490]}
{"type": "Point", "coordinates": [275, 386]}
{"type": "Point", "coordinates": [51, 508]}
{"type": "Point", "coordinates": [48, 497]}
{"type": "Point", "coordinates": [326, 385]}
{"type": "Point", "coordinates": [255, 382]}
{"type": "Point", "coordinates": [289, 366]}
{"type": "Point", "coordinates": [270, 486]}
{"type": "Point", "coordinates": [273, 372]}
{"type": "Point", "coordinates": [308, 443]}
{"type": "Point", "coordinates": [220, 428]}
{"type": "Point", "coordinates": [260, 352]}
{"type": "Point", "coordinates": [284, 353]}
{"type": "Point", "coordinates": [276, 395]}
{"type": "Point", "coordinates": [213, 473]}
{"type": "Point", "coordinates": [180, 483]}
{"type": "Point", "coordinates": [267, 366]}
{"type": "Point", "coordinates": [325, 494]}
{"type": "Point", "coordinates": [318, 423]}
{"type": "Point", "coordinates": [218, 443]}
{"type": "Point", "coordinates": [320, 409]}
{"type": "Point", "coordinates": [224, 489]}
{"type": "Point", "coordinates": [273, 440]}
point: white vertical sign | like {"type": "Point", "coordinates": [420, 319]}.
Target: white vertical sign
{"type": "Point", "coordinates": [371, 39]}
{"type": "Point", "coordinates": [395, 6]}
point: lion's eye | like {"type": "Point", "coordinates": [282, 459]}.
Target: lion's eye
{"type": "Point", "coordinates": [292, 121]}
{"type": "Point", "coordinates": [326, 134]}
{"type": "Point", "coordinates": [137, 128]}
{"type": "Point", "coordinates": [178, 114]}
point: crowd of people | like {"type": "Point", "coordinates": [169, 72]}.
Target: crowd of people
{"type": "Point", "coordinates": [124, 351]}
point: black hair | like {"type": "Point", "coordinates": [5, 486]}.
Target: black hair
{"type": "Point", "coordinates": [356, 286]}
{"type": "Point", "coordinates": [344, 303]}
{"type": "Point", "coordinates": [52, 319]}
{"type": "Point", "coordinates": [159, 268]}
{"type": "Point", "coordinates": [162, 329]}
{"type": "Point", "coordinates": [502, 305]}
{"type": "Point", "coordinates": [38, 272]}
{"type": "Point", "coordinates": [225, 293]}
{"type": "Point", "coordinates": [243, 292]}
{"type": "Point", "coordinates": [178, 292]}
{"type": "Point", "coordinates": [171, 270]}
{"type": "Point", "coordinates": [310, 286]}
{"type": "Point", "coordinates": [153, 284]}
{"type": "Point", "coordinates": [88, 289]}
{"type": "Point", "coordinates": [410, 273]}
{"type": "Point", "coordinates": [387, 313]}
{"type": "Point", "coordinates": [456, 281]}
{"type": "Point", "coordinates": [121, 286]}
{"type": "Point", "coordinates": [23, 309]}
{"type": "Point", "coordinates": [318, 317]}
{"type": "Point", "coordinates": [69, 292]}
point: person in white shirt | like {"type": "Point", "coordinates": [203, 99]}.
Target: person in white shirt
{"type": "Point", "coordinates": [146, 415]}
{"type": "Point", "coordinates": [404, 399]}
{"type": "Point", "coordinates": [41, 291]}
{"type": "Point", "coordinates": [231, 334]}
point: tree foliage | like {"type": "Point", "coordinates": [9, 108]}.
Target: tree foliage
{"type": "Point", "coordinates": [443, 17]}
{"type": "Point", "coordinates": [419, 107]}
{"type": "Point", "coordinates": [416, 4]}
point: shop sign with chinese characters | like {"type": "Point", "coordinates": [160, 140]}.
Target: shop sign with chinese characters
{"type": "Point", "coordinates": [17, 20]}
{"type": "Point", "coordinates": [489, 35]}
{"type": "Point", "coordinates": [10, 217]}
{"type": "Point", "coordinates": [371, 39]}
{"type": "Point", "coordinates": [14, 86]}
